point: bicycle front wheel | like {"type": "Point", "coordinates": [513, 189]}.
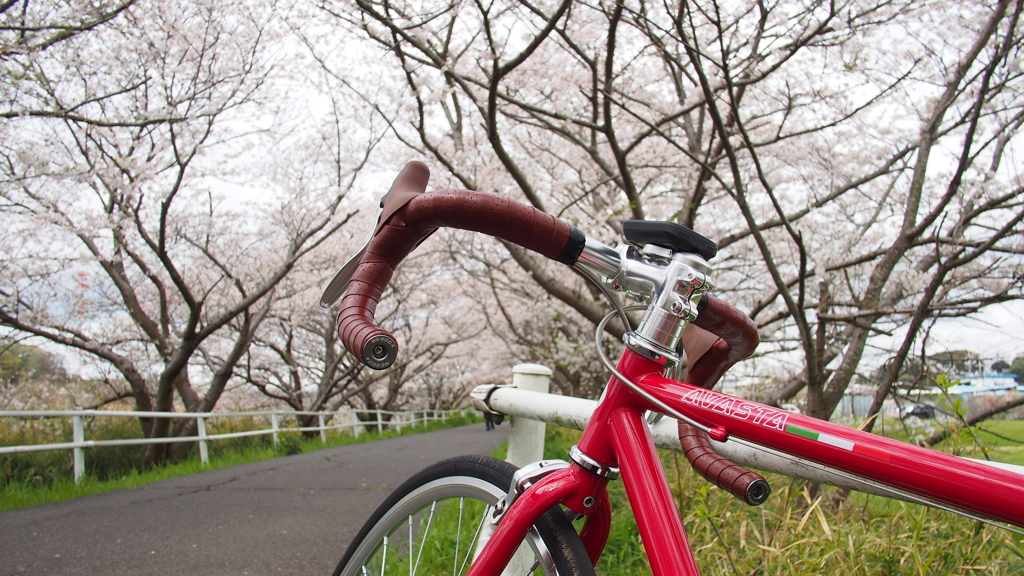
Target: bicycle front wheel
{"type": "Point", "coordinates": [436, 522]}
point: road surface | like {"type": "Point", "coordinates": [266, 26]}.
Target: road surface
{"type": "Point", "coordinates": [292, 515]}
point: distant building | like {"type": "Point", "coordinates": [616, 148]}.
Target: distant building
{"type": "Point", "coordinates": [985, 384]}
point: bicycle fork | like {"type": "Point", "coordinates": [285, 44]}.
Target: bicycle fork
{"type": "Point", "coordinates": [617, 436]}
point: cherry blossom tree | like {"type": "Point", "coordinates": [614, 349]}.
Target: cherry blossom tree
{"type": "Point", "coordinates": [178, 181]}
{"type": "Point", "coordinates": [151, 225]}
{"type": "Point", "coordinates": [854, 160]}
{"type": "Point", "coordinates": [30, 28]}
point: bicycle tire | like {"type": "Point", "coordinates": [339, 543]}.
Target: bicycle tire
{"type": "Point", "coordinates": [474, 483]}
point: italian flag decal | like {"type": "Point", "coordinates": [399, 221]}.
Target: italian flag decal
{"type": "Point", "coordinates": [839, 443]}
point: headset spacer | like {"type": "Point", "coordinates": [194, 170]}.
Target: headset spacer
{"type": "Point", "coordinates": [591, 465]}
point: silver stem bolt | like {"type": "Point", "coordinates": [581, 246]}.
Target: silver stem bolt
{"type": "Point", "coordinates": [677, 306]}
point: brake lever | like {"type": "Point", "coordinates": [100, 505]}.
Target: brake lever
{"type": "Point", "coordinates": [336, 288]}
{"type": "Point", "coordinates": [411, 181]}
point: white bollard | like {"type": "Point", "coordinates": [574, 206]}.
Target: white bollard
{"type": "Point", "coordinates": [525, 445]}
{"type": "Point", "coordinates": [526, 437]}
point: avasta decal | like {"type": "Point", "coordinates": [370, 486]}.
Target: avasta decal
{"type": "Point", "coordinates": [737, 408]}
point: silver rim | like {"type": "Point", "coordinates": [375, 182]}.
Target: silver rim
{"type": "Point", "coordinates": [410, 525]}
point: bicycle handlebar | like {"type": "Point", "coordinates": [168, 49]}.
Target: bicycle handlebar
{"type": "Point", "coordinates": [737, 338]}
{"type": "Point", "coordinates": [411, 215]}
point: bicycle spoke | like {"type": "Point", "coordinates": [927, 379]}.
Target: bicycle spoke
{"type": "Point", "coordinates": [476, 536]}
{"type": "Point", "coordinates": [458, 537]}
{"type": "Point", "coordinates": [465, 549]}
{"type": "Point", "coordinates": [423, 542]}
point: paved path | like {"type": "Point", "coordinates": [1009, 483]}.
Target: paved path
{"type": "Point", "coordinates": [292, 515]}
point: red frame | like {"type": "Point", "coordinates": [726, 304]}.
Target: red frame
{"type": "Point", "coordinates": [617, 435]}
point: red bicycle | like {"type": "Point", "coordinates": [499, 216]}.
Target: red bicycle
{"type": "Point", "coordinates": [481, 516]}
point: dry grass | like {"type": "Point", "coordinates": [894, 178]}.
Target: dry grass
{"type": "Point", "coordinates": [797, 533]}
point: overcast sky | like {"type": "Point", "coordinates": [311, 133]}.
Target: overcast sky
{"type": "Point", "coordinates": [997, 333]}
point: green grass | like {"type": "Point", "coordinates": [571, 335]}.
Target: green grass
{"type": "Point", "coordinates": [797, 533]}
{"type": "Point", "coordinates": [15, 495]}
{"type": "Point", "coordinates": [41, 477]}
{"type": "Point", "coordinates": [1005, 438]}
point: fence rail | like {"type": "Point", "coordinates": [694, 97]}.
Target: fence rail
{"type": "Point", "coordinates": [79, 443]}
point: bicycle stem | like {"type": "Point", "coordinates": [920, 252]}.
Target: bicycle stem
{"type": "Point", "coordinates": [673, 284]}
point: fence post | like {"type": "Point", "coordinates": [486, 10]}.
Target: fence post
{"type": "Point", "coordinates": [380, 423]}
{"type": "Point", "coordinates": [357, 428]}
{"type": "Point", "coordinates": [274, 427]}
{"type": "Point", "coordinates": [78, 437]}
{"type": "Point", "coordinates": [323, 433]}
{"type": "Point", "coordinates": [526, 437]}
{"type": "Point", "coordinates": [204, 453]}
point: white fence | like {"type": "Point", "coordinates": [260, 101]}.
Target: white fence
{"type": "Point", "coordinates": [380, 418]}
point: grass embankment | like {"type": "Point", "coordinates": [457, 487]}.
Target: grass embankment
{"type": "Point", "coordinates": [1005, 439]}
{"type": "Point", "coordinates": [34, 478]}
{"type": "Point", "coordinates": [1000, 440]}
{"type": "Point", "coordinates": [797, 533]}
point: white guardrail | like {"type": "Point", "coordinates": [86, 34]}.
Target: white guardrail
{"type": "Point", "coordinates": [79, 443]}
